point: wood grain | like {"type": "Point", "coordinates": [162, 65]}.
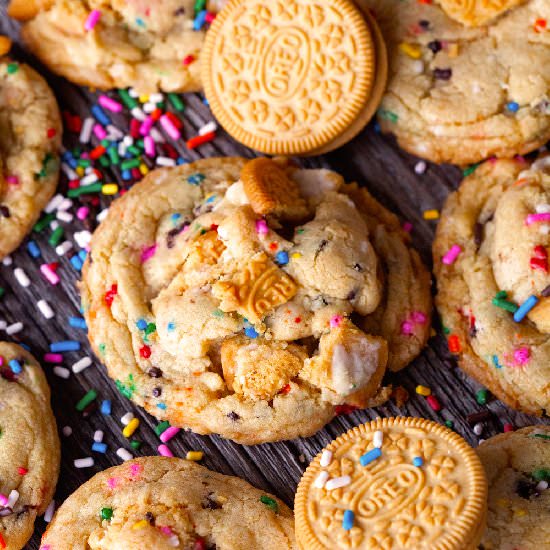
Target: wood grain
{"type": "Point", "coordinates": [371, 159]}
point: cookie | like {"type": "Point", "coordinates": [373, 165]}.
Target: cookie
{"type": "Point", "coordinates": [221, 306]}
{"type": "Point", "coordinates": [117, 44]}
{"type": "Point", "coordinates": [158, 503]}
{"type": "Point", "coordinates": [30, 139]}
{"type": "Point", "coordinates": [517, 465]}
{"type": "Point", "coordinates": [293, 77]}
{"type": "Point", "coordinates": [393, 483]}
{"type": "Point", "coordinates": [29, 446]}
{"type": "Point", "coordinates": [477, 12]}
{"type": "Point", "coordinates": [462, 94]}
{"type": "Point", "coordinates": [491, 264]}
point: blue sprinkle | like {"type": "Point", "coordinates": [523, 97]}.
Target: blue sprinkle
{"type": "Point", "coordinates": [347, 521]}
{"type": "Point", "coordinates": [199, 21]}
{"type": "Point", "coordinates": [25, 346]}
{"type": "Point", "coordinates": [72, 163]}
{"type": "Point", "coordinates": [126, 175]}
{"type": "Point", "coordinates": [141, 324]}
{"type": "Point", "coordinates": [76, 262]}
{"type": "Point", "coordinates": [525, 308]}
{"type": "Point", "coordinates": [99, 447]}
{"type": "Point", "coordinates": [212, 198]}
{"type": "Point", "coordinates": [161, 406]}
{"type": "Point", "coordinates": [105, 407]}
{"type": "Point", "coordinates": [175, 217]}
{"type": "Point", "coordinates": [281, 257]}
{"type": "Point", "coordinates": [140, 22]}
{"type": "Point", "coordinates": [78, 322]}
{"type": "Point", "coordinates": [82, 254]}
{"type": "Point", "coordinates": [33, 249]}
{"type": "Point", "coordinates": [196, 179]}
{"type": "Point", "coordinates": [417, 461]}
{"type": "Point", "coordinates": [513, 107]}
{"type": "Point", "coordinates": [371, 456]}
{"type": "Point", "coordinates": [250, 332]}
{"type": "Point", "coordinates": [495, 362]}
{"type": "Point", "coordinates": [65, 345]}
{"type": "Point", "coordinates": [171, 326]}
{"type": "Point", "coordinates": [180, 161]}
{"type": "Point", "coordinates": [15, 366]}
{"type": "Point", "coordinates": [100, 115]}
{"type": "Point", "coordinates": [205, 101]}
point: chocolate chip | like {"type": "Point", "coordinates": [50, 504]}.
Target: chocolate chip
{"type": "Point", "coordinates": [474, 418]}
{"type": "Point", "coordinates": [210, 502]}
{"type": "Point", "coordinates": [171, 237]}
{"type": "Point", "coordinates": [546, 292]}
{"type": "Point", "coordinates": [473, 331]}
{"type": "Point", "coordinates": [233, 416]}
{"type": "Point", "coordinates": [154, 372]}
{"type": "Point", "coordinates": [157, 392]}
{"type": "Point", "coordinates": [150, 518]}
{"type": "Point", "coordinates": [4, 211]}
{"type": "Point", "coordinates": [478, 234]}
{"type": "Point", "coordinates": [443, 74]}
{"type": "Point", "coordinates": [424, 24]}
{"type": "Point", "coordinates": [526, 489]}
{"type": "Point", "coordinates": [179, 11]}
{"type": "Point", "coordinates": [352, 295]}
{"type": "Point", "coordinates": [435, 46]}
{"type": "Point", "coordinates": [358, 267]}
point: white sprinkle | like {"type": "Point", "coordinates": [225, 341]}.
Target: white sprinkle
{"type": "Point", "coordinates": [48, 514]}
{"type": "Point", "coordinates": [53, 204]}
{"type": "Point", "coordinates": [156, 97]}
{"type": "Point", "coordinates": [542, 485]}
{"type": "Point", "coordinates": [89, 179]}
{"type": "Point", "coordinates": [321, 479]}
{"type": "Point", "coordinates": [417, 66]}
{"type": "Point", "coordinates": [86, 131]}
{"type": "Point", "coordinates": [174, 541]}
{"type": "Point", "coordinates": [83, 238]}
{"type": "Point", "coordinates": [7, 261]}
{"type": "Point", "coordinates": [87, 462]}
{"type": "Point", "coordinates": [63, 248]}
{"type": "Point", "coordinates": [128, 140]}
{"type": "Point", "coordinates": [377, 439]}
{"type": "Point", "coordinates": [81, 364]}
{"type": "Point", "coordinates": [54, 224]}
{"type": "Point", "coordinates": [478, 428]}
{"type": "Point", "coordinates": [126, 419]}
{"type": "Point", "coordinates": [63, 216]}
{"type": "Point", "coordinates": [12, 498]}
{"type": "Point", "coordinates": [14, 329]}
{"type": "Point", "coordinates": [113, 133]}
{"type": "Point", "coordinates": [124, 454]}
{"type": "Point", "coordinates": [102, 215]}
{"type": "Point", "coordinates": [69, 172]}
{"type": "Point", "coordinates": [138, 113]}
{"type": "Point", "coordinates": [65, 204]}
{"type": "Point", "coordinates": [480, 441]}
{"type": "Point", "coordinates": [149, 107]}
{"type": "Point", "coordinates": [166, 161]}
{"type": "Point", "coordinates": [67, 431]}
{"type": "Point", "coordinates": [337, 482]}
{"type": "Point", "coordinates": [207, 128]}
{"type": "Point", "coordinates": [62, 372]}
{"type": "Point", "coordinates": [133, 93]}
{"type": "Point", "coordinates": [3, 325]}
{"type": "Point", "coordinates": [98, 436]}
{"type": "Point", "coordinates": [542, 208]}
{"type": "Point", "coordinates": [156, 135]}
{"type": "Point", "coordinates": [121, 149]}
{"type": "Point", "coordinates": [45, 309]}
{"type": "Point", "coordinates": [21, 277]}
{"type": "Point", "coordinates": [420, 167]}
{"type": "Point", "coordinates": [326, 458]}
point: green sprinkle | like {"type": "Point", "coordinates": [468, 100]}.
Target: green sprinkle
{"type": "Point", "coordinates": [541, 474]}
{"type": "Point", "coordinates": [505, 304]}
{"type": "Point", "coordinates": [102, 349]}
{"type": "Point", "coordinates": [446, 330]}
{"type": "Point", "coordinates": [150, 328]}
{"type": "Point", "coordinates": [86, 400]}
{"type": "Point", "coordinates": [130, 163]}
{"type": "Point", "coordinates": [105, 143]}
{"type": "Point", "coordinates": [300, 231]}
{"type": "Point", "coordinates": [127, 99]}
{"type": "Point", "coordinates": [470, 170]}
{"type": "Point", "coordinates": [128, 389]}
{"type": "Point", "coordinates": [56, 236]}
{"type": "Point", "coordinates": [135, 444]}
{"type": "Point", "coordinates": [84, 163]}
{"type": "Point", "coordinates": [176, 102]}
{"type": "Point", "coordinates": [113, 155]}
{"type": "Point", "coordinates": [49, 162]}
{"type": "Point", "coordinates": [2, 291]}
{"type": "Point", "coordinates": [199, 5]}
{"type": "Point", "coordinates": [13, 68]}
{"type": "Point", "coordinates": [162, 427]}
{"type": "Point", "coordinates": [106, 513]}
{"type": "Point", "coordinates": [135, 151]}
{"type": "Point", "coordinates": [388, 115]}
{"type": "Point", "coordinates": [218, 313]}
{"type": "Point", "coordinates": [85, 190]}
{"type": "Point", "coordinates": [541, 436]}
{"type": "Point", "coordinates": [450, 424]}
{"type": "Point", "coordinates": [481, 396]}
{"type": "Point", "coordinates": [270, 503]}
{"type": "Point", "coordinates": [43, 222]}
{"type": "Point", "coordinates": [501, 295]}
{"type": "Point", "coordinates": [104, 161]}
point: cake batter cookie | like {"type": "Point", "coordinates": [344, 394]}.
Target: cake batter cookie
{"type": "Point", "coordinates": [462, 94]}
{"type": "Point", "coordinates": [394, 483]}
{"type": "Point", "coordinates": [158, 503]}
{"type": "Point", "coordinates": [517, 465]}
{"type": "Point", "coordinates": [477, 12]}
{"type": "Point", "coordinates": [222, 306]}
{"type": "Point", "coordinates": [150, 46]}
{"type": "Point", "coordinates": [29, 446]}
{"type": "Point", "coordinates": [30, 139]}
{"type": "Point", "coordinates": [491, 264]}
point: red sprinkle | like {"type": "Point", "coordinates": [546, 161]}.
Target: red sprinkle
{"type": "Point", "coordinates": [273, 246]}
{"type": "Point", "coordinates": [433, 402]}
{"type": "Point", "coordinates": [508, 427]}
{"type": "Point", "coordinates": [284, 390]}
{"type": "Point", "coordinates": [134, 128]}
{"type": "Point", "coordinates": [345, 409]}
{"type": "Point", "coordinates": [99, 151]}
{"type": "Point", "coordinates": [540, 25]}
{"type": "Point", "coordinates": [2, 542]}
{"type": "Point", "coordinates": [22, 471]}
{"type": "Point", "coordinates": [188, 60]}
{"type": "Point", "coordinates": [199, 140]}
{"type": "Point", "coordinates": [110, 295]}
{"type": "Point", "coordinates": [539, 259]}
{"type": "Point", "coordinates": [174, 119]}
{"type": "Point", "coordinates": [156, 114]}
{"type": "Point", "coordinates": [145, 352]}
{"type": "Point", "coordinates": [199, 544]}
{"type": "Point", "coordinates": [51, 132]}
{"type": "Point", "coordinates": [297, 319]}
{"type": "Point", "coordinates": [454, 343]}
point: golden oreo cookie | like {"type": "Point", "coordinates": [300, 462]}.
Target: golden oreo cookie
{"type": "Point", "coordinates": [477, 12]}
{"type": "Point", "coordinates": [393, 483]}
{"type": "Point", "coordinates": [289, 76]}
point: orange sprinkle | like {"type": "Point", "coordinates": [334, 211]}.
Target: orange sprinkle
{"type": "Point", "coordinates": [540, 25]}
{"type": "Point", "coordinates": [454, 343]}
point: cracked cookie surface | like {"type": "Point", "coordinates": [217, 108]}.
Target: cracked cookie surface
{"type": "Point", "coordinates": [224, 320]}
{"type": "Point", "coordinates": [29, 445]}
{"type": "Point", "coordinates": [517, 465]}
{"type": "Point", "coordinates": [30, 138]}
{"type": "Point", "coordinates": [462, 94]}
{"type": "Point", "coordinates": [491, 260]}
{"type": "Point", "coordinates": [158, 503]}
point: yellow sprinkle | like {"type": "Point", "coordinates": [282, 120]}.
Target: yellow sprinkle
{"type": "Point", "coordinates": [5, 45]}
{"type": "Point", "coordinates": [423, 390]}
{"type": "Point", "coordinates": [143, 169]}
{"type": "Point", "coordinates": [296, 255]}
{"type": "Point", "coordinates": [412, 50]}
{"type": "Point", "coordinates": [80, 171]}
{"type": "Point", "coordinates": [520, 512]}
{"type": "Point", "coordinates": [140, 524]}
{"type": "Point", "coordinates": [130, 428]}
{"type": "Point", "coordinates": [109, 188]}
{"type": "Point", "coordinates": [143, 98]}
{"type": "Point", "coordinates": [452, 50]}
{"type": "Point", "coordinates": [195, 456]}
{"type": "Point", "coordinates": [431, 214]}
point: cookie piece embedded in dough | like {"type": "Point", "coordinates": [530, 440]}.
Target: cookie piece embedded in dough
{"type": "Point", "coordinates": [477, 12]}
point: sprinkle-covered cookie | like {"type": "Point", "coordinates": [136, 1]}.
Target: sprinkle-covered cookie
{"type": "Point", "coordinates": [150, 46]}
{"type": "Point", "coordinates": [491, 264]}
{"type": "Point", "coordinates": [517, 465]}
{"type": "Point", "coordinates": [221, 305]}
{"type": "Point", "coordinates": [30, 138]}
{"type": "Point", "coordinates": [393, 483]}
{"type": "Point", "coordinates": [29, 446]}
{"type": "Point", "coordinates": [293, 76]}
{"type": "Point", "coordinates": [158, 503]}
{"type": "Point", "coordinates": [462, 94]}
{"type": "Point", "coordinates": [477, 12]}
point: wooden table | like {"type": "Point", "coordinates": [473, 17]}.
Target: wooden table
{"type": "Point", "coordinates": [371, 159]}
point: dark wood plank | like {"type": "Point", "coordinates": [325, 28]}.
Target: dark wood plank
{"type": "Point", "coordinates": [371, 159]}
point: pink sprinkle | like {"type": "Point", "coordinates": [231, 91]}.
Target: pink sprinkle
{"type": "Point", "coordinates": [112, 482]}
{"type": "Point", "coordinates": [508, 427]}
{"type": "Point", "coordinates": [407, 226]}
{"type": "Point", "coordinates": [335, 321]}
{"type": "Point", "coordinates": [45, 547]}
{"type": "Point", "coordinates": [261, 227]}
{"type": "Point", "coordinates": [82, 212]}
{"type": "Point", "coordinates": [188, 60]}
{"type": "Point", "coordinates": [164, 451]}
{"type": "Point", "coordinates": [419, 317]}
{"type": "Point", "coordinates": [169, 127]}
{"type": "Point", "coordinates": [99, 131]}
{"type": "Point", "coordinates": [168, 434]}
{"type": "Point", "coordinates": [433, 402]}
{"type": "Point", "coordinates": [50, 274]}
{"type": "Point", "coordinates": [521, 159]}
{"type": "Point", "coordinates": [534, 218]}
{"type": "Point", "coordinates": [135, 469]}
{"type": "Point", "coordinates": [110, 104]}
{"type": "Point", "coordinates": [92, 20]}
{"type": "Point", "coordinates": [146, 126]}
{"type": "Point", "coordinates": [406, 327]}
{"type": "Point", "coordinates": [12, 180]}
{"type": "Point", "coordinates": [451, 255]}
{"type": "Point", "coordinates": [149, 144]}
{"type": "Point", "coordinates": [522, 355]}
{"type": "Point", "coordinates": [148, 253]}
{"type": "Point", "coordinates": [53, 358]}
{"type": "Point", "coordinates": [1, 360]}
{"type": "Point", "coordinates": [3, 500]}
{"type": "Point", "coordinates": [166, 530]}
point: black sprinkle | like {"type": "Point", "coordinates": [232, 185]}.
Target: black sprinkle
{"type": "Point", "coordinates": [233, 416]}
{"type": "Point", "coordinates": [546, 292]}
{"type": "Point", "coordinates": [154, 372]}
{"type": "Point", "coordinates": [352, 295]}
{"type": "Point", "coordinates": [157, 392]}
{"type": "Point", "coordinates": [179, 11]}
{"type": "Point", "coordinates": [527, 489]}
{"type": "Point", "coordinates": [358, 267]}
{"type": "Point", "coordinates": [150, 518]}
{"type": "Point", "coordinates": [478, 234]}
{"type": "Point", "coordinates": [424, 24]}
{"type": "Point", "coordinates": [4, 211]}
{"type": "Point", "coordinates": [481, 416]}
{"type": "Point", "coordinates": [322, 246]}
{"type": "Point", "coordinates": [435, 46]}
{"type": "Point", "coordinates": [473, 331]}
{"type": "Point", "coordinates": [443, 74]}
{"type": "Point", "coordinates": [171, 237]}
